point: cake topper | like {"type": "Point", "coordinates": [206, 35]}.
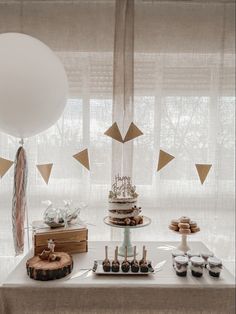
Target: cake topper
{"type": "Point", "coordinates": [50, 255]}
{"type": "Point", "coordinates": [123, 188]}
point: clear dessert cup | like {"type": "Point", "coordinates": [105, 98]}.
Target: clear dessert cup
{"type": "Point", "coordinates": [181, 266]}
{"type": "Point", "coordinates": [214, 266]}
{"type": "Point", "coordinates": [205, 256]}
{"type": "Point", "coordinates": [197, 265]}
{"type": "Point", "coordinates": [176, 253]}
{"type": "Point", "coordinates": [191, 254]}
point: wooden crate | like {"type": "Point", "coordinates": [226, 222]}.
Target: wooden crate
{"type": "Point", "coordinates": [73, 239]}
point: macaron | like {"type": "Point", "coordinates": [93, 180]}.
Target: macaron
{"type": "Point", "coordinates": [184, 231]}
{"type": "Point", "coordinates": [184, 225]}
{"type": "Point", "coordinates": [184, 219]}
{"type": "Point", "coordinates": [175, 222]}
{"type": "Point", "coordinates": [193, 224]}
{"type": "Point", "coordinates": [174, 227]}
{"type": "Point", "coordinates": [194, 230]}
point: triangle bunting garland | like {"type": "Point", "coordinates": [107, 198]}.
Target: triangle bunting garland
{"type": "Point", "coordinates": [83, 158]}
{"type": "Point", "coordinates": [5, 165]}
{"type": "Point", "coordinates": [45, 171]}
{"type": "Point", "coordinates": [164, 159]}
{"type": "Point", "coordinates": [114, 133]}
{"type": "Point", "coordinates": [203, 170]}
{"type": "Point", "coordinates": [132, 133]}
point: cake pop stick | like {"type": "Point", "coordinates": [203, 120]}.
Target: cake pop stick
{"type": "Point", "coordinates": [106, 253]}
{"type": "Point", "coordinates": [144, 266]}
{"type": "Point", "coordinates": [106, 262]}
{"type": "Point", "coordinates": [125, 265]}
{"type": "Point", "coordinates": [134, 263]}
{"type": "Point", "coordinates": [115, 264]}
{"type": "Point", "coordinates": [141, 261]}
{"type": "Point", "coordinates": [117, 254]}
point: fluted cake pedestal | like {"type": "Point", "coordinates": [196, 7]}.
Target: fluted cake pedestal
{"type": "Point", "coordinates": [183, 246]}
{"type": "Point", "coordinates": [127, 235]}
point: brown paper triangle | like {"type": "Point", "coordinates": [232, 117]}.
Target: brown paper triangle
{"type": "Point", "coordinates": [5, 165]}
{"type": "Point", "coordinates": [203, 170]}
{"type": "Point", "coordinates": [83, 158]}
{"type": "Point", "coordinates": [45, 171]}
{"type": "Point", "coordinates": [132, 132]}
{"type": "Point", "coordinates": [164, 159]}
{"type": "Point", "coordinates": [114, 133]}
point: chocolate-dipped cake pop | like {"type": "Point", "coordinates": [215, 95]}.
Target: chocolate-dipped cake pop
{"type": "Point", "coordinates": [142, 259]}
{"type": "Point", "coordinates": [125, 264]}
{"type": "Point", "coordinates": [106, 263]}
{"type": "Point", "coordinates": [144, 265]}
{"type": "Point", "coordinates": [115, 264]}
{"type": "Point", "coordinates": [134, 263]}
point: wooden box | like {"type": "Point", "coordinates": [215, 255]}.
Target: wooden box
{"type": "Point", "coordinates": [73, 239]}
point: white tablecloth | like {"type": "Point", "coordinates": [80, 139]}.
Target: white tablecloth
{"type": "Point", "coordinates": [163, 292]}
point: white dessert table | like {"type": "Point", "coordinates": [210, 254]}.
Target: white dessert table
{"type": "Point", "coordinates": [163, 292]}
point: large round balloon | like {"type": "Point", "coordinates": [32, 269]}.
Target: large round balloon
{"type": "Point", "coordinates": [33, 85]}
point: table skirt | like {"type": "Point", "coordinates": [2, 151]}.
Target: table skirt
{"type": "Point", "coordinates": [145, 300]}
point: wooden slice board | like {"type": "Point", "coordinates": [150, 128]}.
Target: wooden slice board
{"type": "Point", "coordinates": [44, 270]}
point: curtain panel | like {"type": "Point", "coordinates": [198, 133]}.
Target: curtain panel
{"type": "Point", "coordinates": [166, 65]}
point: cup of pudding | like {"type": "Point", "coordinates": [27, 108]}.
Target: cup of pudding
{"type": "Point", "coordinates": [176, 253]}
{"type": "Point", "coordinates": [181, 265]}
{"type": "Point", "coordinates": [214, 266]}
{"type": "Point", "coordinates": [205, 256]}
{"type": "Point", "coordinates": [197, 265]}
{"type": "Point", "coordinates": [191, 254]}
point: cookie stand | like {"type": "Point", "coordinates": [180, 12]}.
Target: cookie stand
{"type": "Point", "coordinates": [127, 235]}
{"type": "Point", "coordinates": [183, 246]}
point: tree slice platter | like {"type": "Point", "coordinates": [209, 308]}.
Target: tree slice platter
{"type": "Point", "coordinates": [44, 270]}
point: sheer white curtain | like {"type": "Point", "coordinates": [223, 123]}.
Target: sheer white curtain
{"type": "Point", "coordinates": [183, 102]}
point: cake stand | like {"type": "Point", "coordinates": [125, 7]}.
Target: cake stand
{"type": "Point", "coordinates": [127, 235]}
{"type": "Point", "coordinates": [183, 246]}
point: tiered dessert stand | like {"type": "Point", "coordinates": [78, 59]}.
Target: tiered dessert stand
{"type": "Point", "coordinates": [127, 235]}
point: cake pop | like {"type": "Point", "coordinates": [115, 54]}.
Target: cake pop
{"type": "Point", "coordinates": [141, 261]}
{"type": "Point", "coordinates": [115, 264]}
{"type": "Point", "coordinates": [125, 264]}
{"type": "Point", "coordinates": [106, 263]}
{"type": "Point", "coordinates": [134, 263]}
{"type": "Point", "coordinates": [144, 265]}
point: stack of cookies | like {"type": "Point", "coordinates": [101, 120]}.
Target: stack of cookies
{"type": "Point", "coordinates": [184, 225]}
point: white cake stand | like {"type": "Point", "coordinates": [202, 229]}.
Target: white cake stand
{"type": "Point", "coordinates": [183, 246]}
{"type": "Point", "coordinates": [127, 235]}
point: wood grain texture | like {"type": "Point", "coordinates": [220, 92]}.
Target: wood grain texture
{"type": "Point", "coordinates": [66, 240]}
{"type": "Point", "coordinates": [69, 247]}
{"type": "Point", "coordinates": [44, 270]}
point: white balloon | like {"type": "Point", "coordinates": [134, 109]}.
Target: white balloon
{"type": "Point", "coordinates": [33, 85]}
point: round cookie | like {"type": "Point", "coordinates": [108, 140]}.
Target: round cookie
{"type": "Point", "coordinates": [184, 231]}
{"type": "Point", "coordinates": [173, 227]}
{"type": "Point", "coordinates": [194, 230]}
{"type": "Point", "coordinates": [184, 219]}
{"type": "Point", "coordinates": [184, 225]}
{"type": "Point", "coordinates": [175, 222]}
{"type": "Point", "coordinates": [193, 224]}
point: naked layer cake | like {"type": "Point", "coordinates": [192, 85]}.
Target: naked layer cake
{"type": "Point", "coordinates": [123, 208]}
